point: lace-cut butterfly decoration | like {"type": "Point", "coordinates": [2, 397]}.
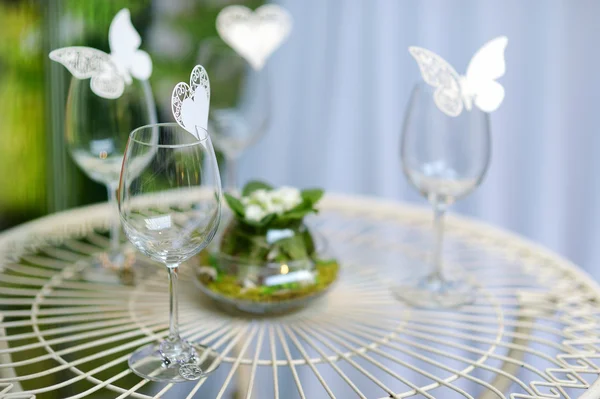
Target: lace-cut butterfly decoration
{"type": "Point", "coordinates": [190, 103]}
{"type": "Point", "coordinates": [109, 73]}
{"type": "Point", "coordinates": [479, 87]}
{"type": "Point", "coordinates": [254, 35]}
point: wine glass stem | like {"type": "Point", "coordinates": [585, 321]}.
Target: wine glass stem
{"type": "Point", "coordinates": [438, 227]}
{"type": "Point", "coordinates": [115, 227]}
{"type": "Point", "coordinates": [149, 102]}
{"type": "Point", "coordinates": [231, 165]}
{"type": "Point", "coordinates": [173, 270]}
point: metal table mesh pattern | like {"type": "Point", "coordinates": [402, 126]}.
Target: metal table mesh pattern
{"type": "Point", "coordinates": [532, 333]}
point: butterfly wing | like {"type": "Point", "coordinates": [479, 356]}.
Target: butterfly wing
{"type": "Point", "coordinates": [489, 96]}
{"type": "Point", "coordinates": [439, 74]}
{"type": "Point", "coordinates": [108, 85]}
{"type": "Point", "coordinates": [124, 43]}
{"type": "Point", "coordinates": [189, 111]}
{"type": "Point", "coordinates": [486, 66]}
{"type": "Point", "coordinates": [86, 62]}
{"type": "Point", "coordinates": [181, 91]}
{"type": "Point", "coordinates": [194, 112]}
{"type": "Point", "coordinates": [190, 104]}
{"type": "Point", "coordinates": [82, 62]}
{"type": "Point", "coordinates": [141, 65]}
{"type": "Point", "coordinates": [199, 78]}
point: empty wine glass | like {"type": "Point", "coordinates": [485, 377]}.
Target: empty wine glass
{"type": "Point", "coordinates": [239, 105]}
{"type": "Point", "coordinates": [96, 133]}
{"type": "Point", "coordinates": [170, 207]}
{"type": "Point", "coordinates": [445, 158]}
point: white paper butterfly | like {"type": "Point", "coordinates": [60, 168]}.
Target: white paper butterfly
{"type": "Point", "coordinates": [254, 35]}
{"type": "Point", "coordinates": [477, 87]}
{"type": "Point", "coordinates": [190, 103]}
{"type": "Point", "coordinates": [109, 72]}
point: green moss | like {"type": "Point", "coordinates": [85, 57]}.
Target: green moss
{"type": "Point", "coordinates": [228, 285]}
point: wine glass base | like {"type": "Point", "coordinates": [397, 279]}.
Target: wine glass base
{"type": "Point", "coordinates": [152, 363]}
{"type": "Point", "coordinates": [106, 269]}
{"type": "Point", "coordinates": [437, 294]}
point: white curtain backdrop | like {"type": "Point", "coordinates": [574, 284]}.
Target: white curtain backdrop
{"type": "Point", "coordinates": [342, 80]}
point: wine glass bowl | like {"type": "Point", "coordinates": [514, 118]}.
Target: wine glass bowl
{"type": "Point", "coordinates": [445, 158]}
{"type": "Point", "coordinates": [96, 132]}
{"type": "Point", "coordinates": [97, 128]}
{"type": "Point", "coordinates": [168, 220]}
{"type": "Point", "coordinates": [442, 155]}
{"type": "Point", "coordinates": [170, 208]}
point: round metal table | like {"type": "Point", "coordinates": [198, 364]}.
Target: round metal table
{"type": "Point", "coordinates": [532, 333]}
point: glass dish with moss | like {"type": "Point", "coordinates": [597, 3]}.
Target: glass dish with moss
{"type": "Point", "coordinates": [267, 259]}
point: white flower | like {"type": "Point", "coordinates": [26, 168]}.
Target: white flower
{"type": "Point", "coordinates": [261, 196]}
{"type": "Point", "coordinates": [274, 207]}
{"type": "Point", "coordinates": [265, 202]}
{"type": "Point", "coordinates": [254, 213]}
{"type": "Point", "coordinates": [289, 197]}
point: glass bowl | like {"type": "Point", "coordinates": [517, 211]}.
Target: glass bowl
{"type": "Point", "coordinates": [262, 277]}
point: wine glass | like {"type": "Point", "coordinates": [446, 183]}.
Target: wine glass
{"type": "Point", "coordinates": [240, 103]}
{"type": "Point", "coordinates": [96, 134]}
{"type": "Point", "coordinates": [445, 158]}
{"type": "Point", "coordinates": [170, 208]}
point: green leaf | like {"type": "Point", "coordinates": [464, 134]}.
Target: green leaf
{"type": "Point", "coordinates": [254, 185]}
{"type": "Point", "coordinates": [235, 204]}
{"type": "Point", "coordinates": [312, 195]}
{"type": "Point", "coordinates": [309, 242]}
{"type": "Point", "coordinates": [266, 220]}
{"type": "Point", "coordinates": [292, 215]}
{"type": "Point", "coordinates": [304, 206]}
{"type": "Point", "coordinates": [260, 223]}
{"type": "Point", "coordinates": [296, 213]}
{"type": "Point", "coordinates": [294, 247]}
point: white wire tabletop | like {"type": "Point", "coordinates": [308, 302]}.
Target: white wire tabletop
{"type": "Point", "coordinates": [533, 331]}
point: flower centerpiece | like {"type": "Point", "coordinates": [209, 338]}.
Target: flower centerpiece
{"type": "Point", "coordinates": [267, 257]}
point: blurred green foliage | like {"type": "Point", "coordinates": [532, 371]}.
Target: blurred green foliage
{"type": "Point", "coordinates": [30, 139]}
{"type": "Point", "coordinates": [99, 14]}
{"type": "Point", "coordinates": [23, 150]}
